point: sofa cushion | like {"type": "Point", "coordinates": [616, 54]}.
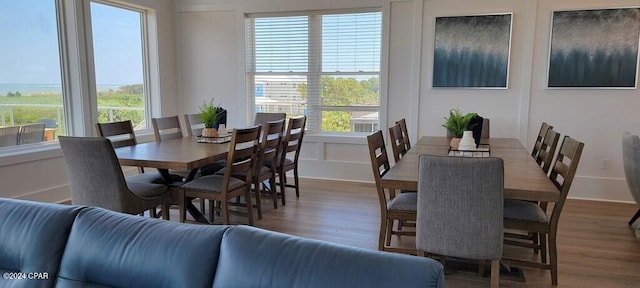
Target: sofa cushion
{"type": "Point", "coordinates": [107, 248]}
{"type": "Point", "coordinates": [252, 257]}
{"type": "Point", "coordinates": [32, 240]}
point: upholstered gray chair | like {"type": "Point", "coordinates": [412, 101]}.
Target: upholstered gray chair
{"type": "Point", "coordinates": [631, 161]}
{"type": "Point", "coordinates": [460, 208]}
{"type": "Point", "coordinates": [96, 179]}
{"type": "Point", "coordinates": [262, 118]}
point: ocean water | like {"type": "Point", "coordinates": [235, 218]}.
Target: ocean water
{"type": "Point", "coordinates": [31, 88]}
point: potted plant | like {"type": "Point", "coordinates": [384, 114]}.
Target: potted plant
{"type": "Point", "coordinates": [210, 114]}
{"type": "Point", "coordinates": [456, 124]}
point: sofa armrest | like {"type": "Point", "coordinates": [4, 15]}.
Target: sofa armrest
{"type": "Point", "coordinates": [252, 257]}
{"type": "Point", "coordinates": [32, 239]}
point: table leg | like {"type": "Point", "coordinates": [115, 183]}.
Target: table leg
{"type": "Point", "coordinates": [195, 213]}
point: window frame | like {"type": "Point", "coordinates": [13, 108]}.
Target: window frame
{"type": "Point", "coordinates": [79, 90]}
{"type": "Point", "coordinates": [314, 71]}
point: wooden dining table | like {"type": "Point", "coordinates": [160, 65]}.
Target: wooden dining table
{"type": "Point", "coordinates": [186, 154]}
{"type": "Point", "coordinates": [523, 177]}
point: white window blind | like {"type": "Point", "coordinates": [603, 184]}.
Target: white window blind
{"type": "Point", "coordinates": [322, 65]}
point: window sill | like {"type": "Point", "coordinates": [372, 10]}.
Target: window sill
{"type": "Point", "coordinates": [29, 153]}
{"type": "Point", "coordinates": [336, 138]}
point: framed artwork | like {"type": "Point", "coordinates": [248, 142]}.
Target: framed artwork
{"type": "Point", "coordinates": [472, 51]}
{"type": "Point", "coordinates": [594, 48]}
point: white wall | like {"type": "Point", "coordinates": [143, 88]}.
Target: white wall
{"type": "Point", "coordinates": [207, 37]}
{"type": "Point", "coordinates": [596, 117]}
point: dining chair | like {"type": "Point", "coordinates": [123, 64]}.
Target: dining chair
{"type": "Point", "coordinates": [544, 158]}
{"type": "Point", "coordinates": [9, 136]}
{"type": "Point", "coordinates": [399, 149]}
{"type": "Point", "coordinates": [165, 128]}
{"type": "Point", "coordinates": [262, 117]}
{"type": "Point", "coordinates": [400, 207]}
{"type": "Point", "coordinates": [547, 149]}
{"type": "Point", "coordinates": [631, 162]}
{"type": "Point", "coordinates": [266, 169]}
{"type": "Point", "coordinates": [540, 139]}
{"type": "Point", "coordinates": [529, 216]}
{"type": "Point", "coordinates": [193, 124]}
{"type": "Point", "coordinates": [121, 134]}
{"type": "Point", "coordinates": [242, 156]}
{"type": "Point", "coordinates": [96, 179]}
{"type": "Point", "coordinates": [269, 150]}
{"type": "Point", "coordinates": [398, 145]}
{"type": "Point", "coordinates": [405, 133]}
{"type": "Point", "coordinates": [451, 192]}
{"type": "Point", "coordinates": [31, 133]}
{"type": "Point", "coordinates": [486, 129]}
{"type": "Point", "coordinates": [291, 144]}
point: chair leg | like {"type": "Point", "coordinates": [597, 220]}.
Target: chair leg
{"type": "Point", "coordinates": [389, 230]}
{"type": "Point", "coordinates": [165, 212]}
{"type": "Point", "coordinates": [182, 205]}
{"type": "Point", "coordinates": [274, 191]}
{"type": "Point", "coordinates": [634, 218]}
{"type": "Point", "coordinates": [296, 182]}
{"type": "Point", "coordinates": [283, 184]}
{"type": "Point", "coordinates": [535, 239]}
{"type": "Point", "coordinates": [381, 238]}
{"type": "Point", "coordinates": [202, 205]}
{"type": "Point", "coordinates": [543, 246]}
{"type": "Point", "coordinates": [258, 191]}
{"type": "Point", "coordinates": [152, 213]}
{"type": "Point", "coordinates": [249, 205]}
{"type": "Point", "coordinates": [481, 267]}
{"type": "Point", "coordinates": [224, 205]}
{"type": "Point", "coordinates": [495, 273]}
{"type": "Point", "coordinates": [553, 258]}
{"type": "Point", "coordinates": [211, 210]}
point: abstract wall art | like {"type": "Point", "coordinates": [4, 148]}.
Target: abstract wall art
{"type": "Point", "coordinates": [594, 48]}
{"type": "Point", "coordinates": [472, 51]}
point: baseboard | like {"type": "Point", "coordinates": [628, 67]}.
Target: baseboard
{"type": "Point", "coordinates": [56, 194]}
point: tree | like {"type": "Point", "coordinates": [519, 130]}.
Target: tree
{"type": "Point", "coordinates": [337, 91]}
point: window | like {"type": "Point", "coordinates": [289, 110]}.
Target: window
{"type": "Point", "coordinates": [35, 67]}
{"type": "Point", "coordinates": [322, 65]}
{"type": "Point", "coordinates": [30, 77]}
{"type": "Point", "coordinates": [118, 60]}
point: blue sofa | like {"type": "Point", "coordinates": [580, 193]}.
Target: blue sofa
{"type": "Point", "coordinates": [52, 245]}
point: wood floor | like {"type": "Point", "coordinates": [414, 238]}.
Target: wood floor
{"type": "Point", "coordinates": [596, 247]}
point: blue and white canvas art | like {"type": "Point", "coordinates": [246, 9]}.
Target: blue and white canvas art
{"type": "Point", "coordinates": [472, 51]}
{"type": "Point", "coordinates": [594, 48]}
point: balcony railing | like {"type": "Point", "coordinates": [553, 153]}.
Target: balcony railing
{"type": "Point", "coordinates": [21, 114]}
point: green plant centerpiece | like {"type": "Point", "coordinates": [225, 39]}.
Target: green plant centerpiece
{"type": "Point", "coordinates": [457, 123]}
{"type": "Point", "coordinates": [210, 114]}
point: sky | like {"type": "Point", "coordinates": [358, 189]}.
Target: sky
{"type": "Point", "coordinates": [29, 52]}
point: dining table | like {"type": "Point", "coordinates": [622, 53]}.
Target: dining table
{"type": "Point", "coordinates": [185, 154]}
{"type": "Point", "coordinates": [523, 177]}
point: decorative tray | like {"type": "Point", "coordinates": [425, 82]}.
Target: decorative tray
{"type": "Point", "coordinates": [482, 151]}
{"type": "Point", "coordinates": [215, 140]}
